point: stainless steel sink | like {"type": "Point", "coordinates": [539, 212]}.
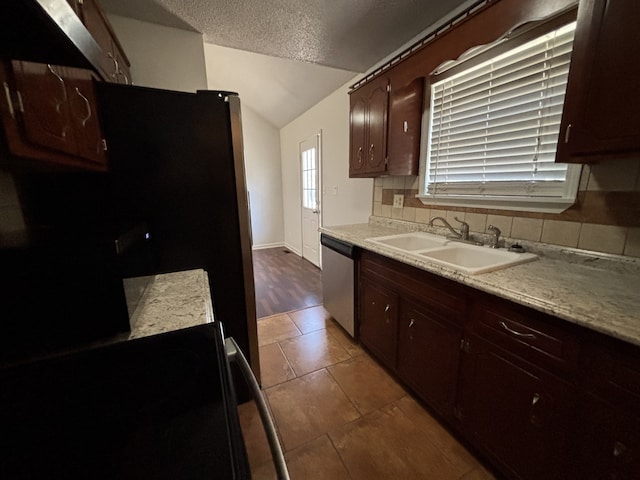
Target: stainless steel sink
{"type": "Point", "coordinates": [470, 259]}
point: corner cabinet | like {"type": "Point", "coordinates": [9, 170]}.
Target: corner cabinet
{"type": "Point", "coordinates": [50, 113]}
{"type": "Point", "coordinates": [538, 397]}
{"type": "Point", "coordinates": [601, 116]}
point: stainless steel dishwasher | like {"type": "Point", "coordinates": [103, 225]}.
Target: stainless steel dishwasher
{"type": "Point", "coordinates": [338, 281]}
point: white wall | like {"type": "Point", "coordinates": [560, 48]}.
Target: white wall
{"type": "Point", "coordinates": [350, 201]}
{"type": "Point", "coordinates": [261, 159]}
{"type": "Point", "coordinates": [162, 57]}
{"type": "Point", "coordinates": [264, 179]}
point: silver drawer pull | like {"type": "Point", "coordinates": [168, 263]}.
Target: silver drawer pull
{"type": "Point", "coordinates": [386, 309]}
{"type": "Point", "coordinates": [535, 399]}
{"type": "Point", "coordinates": [619, 449]}
{"type": "Point", "coordinates": [411, 323]}
{"type": "Point", "coordinates": [518, 334]}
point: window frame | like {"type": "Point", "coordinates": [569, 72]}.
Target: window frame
{"type": "Point", "coordinates": [475, 56]}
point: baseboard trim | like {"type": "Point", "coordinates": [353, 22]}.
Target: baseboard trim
{"type": "Point", "coordinates": [268, 245]}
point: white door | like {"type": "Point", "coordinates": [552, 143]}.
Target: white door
{"type": "Point", "coordinates": [310, 170]}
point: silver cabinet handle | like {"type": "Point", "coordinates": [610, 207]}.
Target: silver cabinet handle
{"type": "Point", "coordinates": [7, 94]}
{"type": "Point", "coordinates": [567, 133]}
{"type": "Point", "coordinates": [87, 104]}
{"type": "Point", "coordinates": [518, 334]}
{"type": "Point", "coordinates": [64, 90]}
{"type": "Point", "coordinates": [411, 323]}
{"type": "Point", "coordinates": [235, 354]}
{"type": "Point", "coordinates": [126, 78]}
{"type": "Point", "coordinates": [619, 449]}
{"type": "Point", "coordinates": [386, 309]}
{"type": "Point", "coordinates": [535, 399]}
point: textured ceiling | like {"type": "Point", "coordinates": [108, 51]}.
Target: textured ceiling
{"type": "Point", "coordinates": [301, 50]}
{"type": "Point", "coordinates": [347, 34]}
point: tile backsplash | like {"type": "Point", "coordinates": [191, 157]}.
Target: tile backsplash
{"type": "Point", "coordinates": [605, 217]}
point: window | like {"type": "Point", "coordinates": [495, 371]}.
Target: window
{"type": "Point", "coordinates": [493, 128]}
{"type": "Point", "coordinates": [309, 181]}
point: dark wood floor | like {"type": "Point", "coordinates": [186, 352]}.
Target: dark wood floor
{"type": "Point", "coordinates": [284, 282]}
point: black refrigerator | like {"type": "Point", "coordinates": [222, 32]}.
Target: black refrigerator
{"type": "Point", "coordinates": [174, 199]}
{"type": "Point", "coordinates": [177, 167]}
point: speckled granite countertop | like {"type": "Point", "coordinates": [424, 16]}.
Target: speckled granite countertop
{"type": "Point", "coordinates": [600, 292]}
{"type": "Point", "coordinates": [172, 301]}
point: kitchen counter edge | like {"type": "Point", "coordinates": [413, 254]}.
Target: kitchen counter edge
{"type": "Point", "coordinates": [596, 292]}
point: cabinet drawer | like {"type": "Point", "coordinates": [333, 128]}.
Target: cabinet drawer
{"type": "Point", "coordinates": [536, 337]}
{"type": "Point", "coordinates": [439, 294]}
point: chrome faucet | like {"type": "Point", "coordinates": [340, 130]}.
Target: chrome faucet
{"type": "Point", "coordinates": [464, 228]}
{"type": "Point", "coordinates": [495, 237]}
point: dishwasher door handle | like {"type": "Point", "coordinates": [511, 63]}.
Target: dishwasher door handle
{"type": "Point", "coordinates": [234, 354]}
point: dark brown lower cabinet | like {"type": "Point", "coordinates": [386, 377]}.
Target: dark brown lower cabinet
{"type": "Point", "coordinates": [608, 434]}
{"type": "Point", "coordinates": [429, 354]}
{"type": "Point", "coordinates": [540, 398]}
{"type": "Point", "coordinates": [608, 442]}
{"type": "Point", "coordinates": [516, 413]}
{"type": "Point", "coordinates": [378, 322]}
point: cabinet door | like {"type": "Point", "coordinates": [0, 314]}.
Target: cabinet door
{"type": "Point", "coordinates": [405, 126]}
{"type": "Point", "coordinates": [608, 442]}
{"type": "Point", "coordinates": [602, 107]}
{"type": "Point", "coordinates": [94, 19]}
{"type": "Point", "coordinates": [357, 137]}
{"type": "Point", "coordinates": [84, 117]}
{"type": "Point", "coordinates": [50, 115]}
{"type": "Point", "coordinates": [114, 65]}
{"type": "Point", "coordinates": [369, 107]}
{"type": "Point", "coordinates": [44, 105]}
{"type": "Point", "coordinates": [378, 321]}
{"type": "Point", "coordinates": [429, 355]}
{"type": "Point", "coordinates": [518, 414]}
{"type": "Point", "coordinates": [378, 105]}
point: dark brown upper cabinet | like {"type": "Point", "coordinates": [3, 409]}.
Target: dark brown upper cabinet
{"type": "Point", "coordinates": [113, 63]}
{"type": "Point", "coordinates": [385, 128]}
{"type": "Point", "coordinates": [75, 33]}
{"type": "Point", "coordinates": [50, 114]}
{"type": "Point", "coordinates": [405, 121]}
{"type": "Point", "coordinates": [601, 117]}
{"type": "Point", "coordinates": [368, 129]}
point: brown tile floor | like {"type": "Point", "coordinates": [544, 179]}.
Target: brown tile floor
{"type": "Point", "coordinates": [339, 415]}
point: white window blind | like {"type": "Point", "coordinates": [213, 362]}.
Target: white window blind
{"type": "Point", "coordinates": [494, 126]}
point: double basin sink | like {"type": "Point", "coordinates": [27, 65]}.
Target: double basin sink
{"type": "Point", "coordinates": [467, 258]}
